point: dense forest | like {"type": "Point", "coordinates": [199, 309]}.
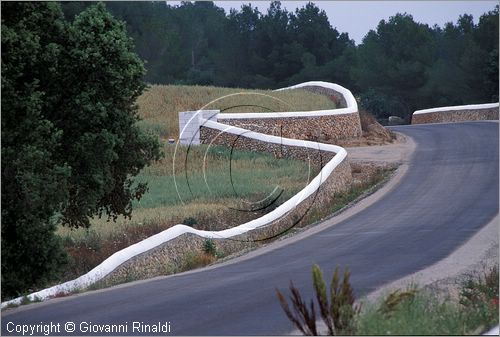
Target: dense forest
{"type": "Point", "coordinates": [399, 67]}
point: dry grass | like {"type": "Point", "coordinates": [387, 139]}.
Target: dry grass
{"type": "Point", "coordinates": [160, 105]}
{"type": "Point", "coordinates": [373, 133]}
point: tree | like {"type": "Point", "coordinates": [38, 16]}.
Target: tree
{"type": "Point", "coordinates": [393, 61]}
{"type": "Point", "coordinates": [465, 69]}
{"type": "Point", "coordinates": [70, 144]}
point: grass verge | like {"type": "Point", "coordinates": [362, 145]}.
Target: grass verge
{"type": "Point", "coordinates": [425, 314]}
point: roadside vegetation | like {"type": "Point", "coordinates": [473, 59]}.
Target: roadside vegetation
{"type": "Point", "coordinates": [412, 311]}
{"type": "Point", "coordinates": [159, 105]}
{"type": "Point", "coordinates": [210, 204]}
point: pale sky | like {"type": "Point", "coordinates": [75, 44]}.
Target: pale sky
{"type": "Point", "coordinates": [358, 17]}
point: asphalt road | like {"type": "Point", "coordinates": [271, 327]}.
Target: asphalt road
{"type": "Point", "coordinates": [449, 192]}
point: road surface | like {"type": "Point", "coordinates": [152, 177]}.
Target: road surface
{"type": "Point", "coordinates": [449, 192]}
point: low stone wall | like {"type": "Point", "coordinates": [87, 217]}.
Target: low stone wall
{"type": "Point", "coordinates": [325, 129]}
{"type": "Point", "coordinates": [442, 115]}
{"type": "Point", "coordinates": [326, 126]}
{"type": "Point", "coordinates": [169, 257]}
{"type": "Point", "coordinates": [215, 137]}
{"type": "Point", "coordinates": [335, 96]}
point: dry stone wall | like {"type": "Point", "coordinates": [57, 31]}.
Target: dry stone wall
{"type": "Point", "coordinates": [335, 96]}
{"type": "Point", "coordinates": [442, 115]}
{"type": "Point", "coordinates": [325, 126]}
{"type": "Point", "coordinates": [325, 129]}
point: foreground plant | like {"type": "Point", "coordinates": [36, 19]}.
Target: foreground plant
{"type": "Point", "coordinates": [423, 312]}
{"type": "Point", "coordinates": [339, 313]}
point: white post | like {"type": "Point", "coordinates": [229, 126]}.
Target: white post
{"type": "Point", "coordinates": [190, 122]}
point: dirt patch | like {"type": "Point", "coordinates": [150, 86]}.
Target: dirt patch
{"type": "Point", "coordinates": [364, 173]}
{"type": "Point", "coordinates": [373, 133]}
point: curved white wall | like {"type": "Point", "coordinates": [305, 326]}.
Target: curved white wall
{"type": "Point", "coordinates": [126, 254]}
{"type": "Point", "coordinates": [352, 105]}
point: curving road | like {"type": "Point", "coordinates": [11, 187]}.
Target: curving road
{"type": "Point", "coordinates": [449, 192]}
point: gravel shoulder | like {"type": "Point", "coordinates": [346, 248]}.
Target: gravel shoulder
{"type": "Point", "coordinates": [398, 152]}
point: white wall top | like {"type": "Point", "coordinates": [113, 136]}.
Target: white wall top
{"type": "Point", "coordinates": [352, 105]}
{"type": "Point", "coordinates": [458, 108]}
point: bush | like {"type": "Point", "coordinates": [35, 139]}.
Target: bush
{"type": "Point", "coordinates": [189, 221]}
{"type": "Point", "coordinates": [209, 247]}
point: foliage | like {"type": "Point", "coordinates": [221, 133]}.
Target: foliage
{"type": "Point", "coordinates": [33, 180]}
{"type": "Point", "coordinates": [479, 294]}
{"type": "Point", "coordinates": [395, 298]}
{"type": "Point", "coordinates": [401, 66]}
{"type": "Point", "coordinates": [70, 141]}
{"type": "Point", "coordinates": [193, 260]}
{"type": "Point", "coordinates": [190, 221]}
{"type": "Point", "coordinates": [302, 317]}
{"type": "Point", "coordinates": [209, 247]}
{"type": "Point", "coordinates": [421, 312]}
{"type": "Point", "coordinates": [339, 313]}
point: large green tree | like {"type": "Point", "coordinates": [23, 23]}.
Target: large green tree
{"type": "Point", "coordinates": [393, 61]}
{"type": "Point", "coordinates": [70, 144]}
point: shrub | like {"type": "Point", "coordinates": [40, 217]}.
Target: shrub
{"type": "Point", "coordinates": [190, 221]}
{"type": "Point", "coordinates": [209, 247]}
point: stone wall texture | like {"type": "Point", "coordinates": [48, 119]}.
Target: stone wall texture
{"type": "Point", "coordinates": [325, 129]}
{"type": "Point", "coordinates": [455, 116]}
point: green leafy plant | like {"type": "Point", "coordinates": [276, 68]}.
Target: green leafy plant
{"type": "Point", "coordinates": [479, 298]}
{"type": "Point", "coordinates": [478, 290]}
{"type": "Point", "coordinates": [209, 247]}
{"type": "Point", "coordinates": [190, 221]}
{"type": "Point", "coordinates": [338, 311]}
{"type": "Point", "coordinates": [69, 133]}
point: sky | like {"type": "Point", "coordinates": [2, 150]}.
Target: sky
{"type": "Point", "coordinates": [358, 17]}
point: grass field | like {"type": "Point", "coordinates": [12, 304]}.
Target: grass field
{"type": "Point", "coordinates": [160, 105]}
{"type": "Point", "coordinates": [253, 177]}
